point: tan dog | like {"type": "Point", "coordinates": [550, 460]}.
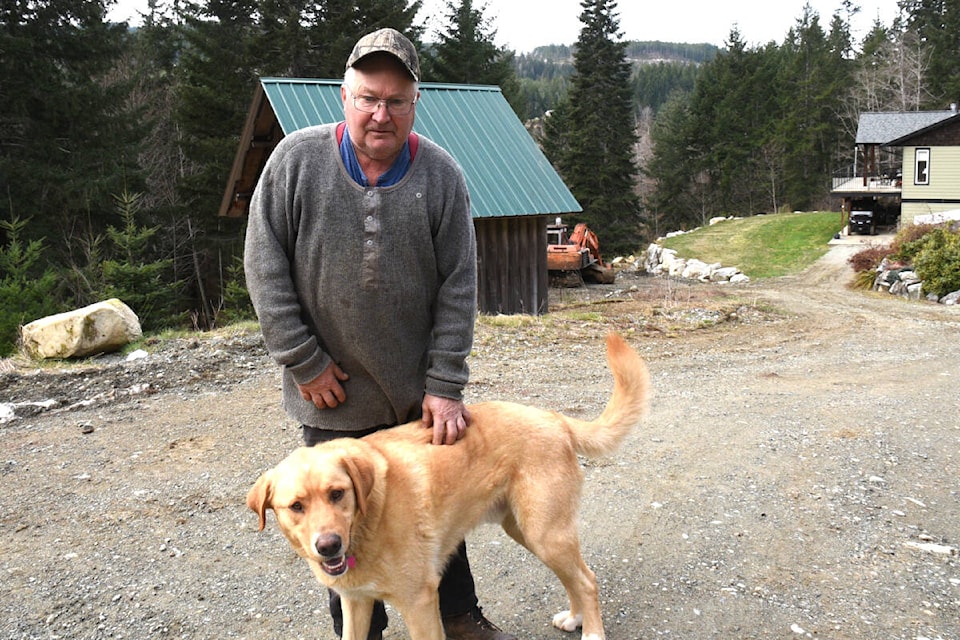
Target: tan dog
{"type": "Point", "coordinates": [377, 518]}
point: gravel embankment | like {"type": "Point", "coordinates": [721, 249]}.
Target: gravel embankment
{"type": "Point", "coordinates": [797, 477]}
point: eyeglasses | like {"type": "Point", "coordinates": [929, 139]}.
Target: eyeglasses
{"type": "Point", "coordinates": [371, 104]}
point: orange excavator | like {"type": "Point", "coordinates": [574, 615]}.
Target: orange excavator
{"type": "Point", "coordinates": [575, 259]}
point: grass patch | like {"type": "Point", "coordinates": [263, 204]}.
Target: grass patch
{"type": "Point", "coordinates": [508, 321]}
{"type": "Point", "coordinates": [761, 246]}
{"type": "Point", "coordinates": [239, 328]}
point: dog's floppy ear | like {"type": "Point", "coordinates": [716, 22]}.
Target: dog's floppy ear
{"type": "Point", "coordinates": [258, 498]}
{"type": "Point", "coordinates": [362, 475]}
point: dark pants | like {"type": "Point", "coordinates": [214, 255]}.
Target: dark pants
{"type": "Point", "coordinates": [457, 591]}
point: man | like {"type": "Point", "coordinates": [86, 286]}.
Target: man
{"type": "Point", "coordinates": [360, 259]}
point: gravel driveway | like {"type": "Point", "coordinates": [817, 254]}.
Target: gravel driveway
{"type": "Point", "coordinates": [797, 477]}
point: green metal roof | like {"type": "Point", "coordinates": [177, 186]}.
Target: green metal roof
{"type": "Point", "coordinates": [506, 172]}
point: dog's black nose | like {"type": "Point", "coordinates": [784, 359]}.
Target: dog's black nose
{"type": "Point", "coordinates": [329, 545]}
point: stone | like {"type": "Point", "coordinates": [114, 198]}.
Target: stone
{"type": "Point", "coordinates": [658, 261]}
{"type": "Point", "coordinates": [909, 276]}
{"type": "Point", "coordinates": [951, 298]}
{"type": "Point", "coordinates": [695, 270]}
{"type": "Point", "coordinates": [667, 257]}
{"type": "Point", "coordinates": [929, 547]}
{"type": "Point", "coordinates": [98, 328]}
{"type": "Point", "coordinates": [676, 266]}
{"type": "Point", "coordinates": [652, 257]}
{"type": "Point", "coordinates": [723, 274]}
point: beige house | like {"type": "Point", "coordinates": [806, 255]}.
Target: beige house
{"type": "Point", "coordinates": [908, 165]}
{"type": "Point", "coordinates": [931, 169]}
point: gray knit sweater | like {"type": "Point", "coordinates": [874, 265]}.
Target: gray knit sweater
{"type": "Point", "coordinates": [381, 280]}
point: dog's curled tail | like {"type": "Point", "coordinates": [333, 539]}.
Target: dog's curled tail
{"type": "Point", "coordinates": [626, 407]}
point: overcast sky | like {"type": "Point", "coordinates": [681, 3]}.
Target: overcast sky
{"type": "Point", "coordinates": [524, 24]}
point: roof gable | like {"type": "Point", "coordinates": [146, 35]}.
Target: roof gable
{"type": "Point", "coordinates": [506, 172]}
{"type": "Point", "coordinates": [942, 133]}
{"type": "Point", "coordinates": [884, 128]}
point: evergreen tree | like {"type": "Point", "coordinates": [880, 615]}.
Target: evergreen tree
{"type": "Point", "coordinates": [936, 24]}
{"type": "Point", "coordinates": [767, 131]}
{"type": "Point", "coordinates": [888, 75]}
{"type": "Point", "coordinates": [675, 203]}
{"type": "Point", "coordinates": [815, 77]}
{"type": "Point", "coordinates": [465, 53]}
{"type": "Point", "coordinates": [146, 285]}
{"type": "Point", "coordinates": [590, 138]}
{"type": "Point", "coordinates": [734, 110]}
{"type": "Point", "coordinates": [65, 140]}
{"type": "Point", "coordinates": [654, 83]}
{"type": "Point", "coordinates": [151, 62]}
{"type": "Point", "coordinates": [286, 41]}
{"type": "Point", "coordinates": [343, 23]}
{"type": "Point", "coordinates": [216, 77]}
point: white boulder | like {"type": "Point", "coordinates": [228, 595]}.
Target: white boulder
{"type": "Point", "coordinates": [98, 328]}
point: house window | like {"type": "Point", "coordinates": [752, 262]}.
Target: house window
{"type": "Point", "coordinates": [922, 173]}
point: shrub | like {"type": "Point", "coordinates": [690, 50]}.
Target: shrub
{"type": "Point", "coordinates": [26, 292]}
{"type": "Point", "coordinates": [937, 261]}
{"type": "Point", "coordinates": [908, 241]}
{"type": "Point", "coordinates": [868, 259]}
{"type": "Point", "coordinates": [864, 280]}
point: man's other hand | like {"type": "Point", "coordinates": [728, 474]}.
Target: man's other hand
{"type": "Point", "coordinates": [325, 391]}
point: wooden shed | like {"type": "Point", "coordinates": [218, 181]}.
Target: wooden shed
{"type": "Point", "coordinates": [514, 191]}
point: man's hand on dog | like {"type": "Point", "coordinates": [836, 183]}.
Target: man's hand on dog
{"type": "Point", "coordinates": [448, 418]}
{"type": "Point", "coordinates": [325, 391]}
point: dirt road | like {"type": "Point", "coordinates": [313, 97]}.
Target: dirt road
{"type": "Point", "coordinates": [797, 477]}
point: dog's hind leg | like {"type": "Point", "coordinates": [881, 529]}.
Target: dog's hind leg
{"type": "Point", "coordinates": [356, 617]}
{"type": "Point", "coordinates": [558, 547]}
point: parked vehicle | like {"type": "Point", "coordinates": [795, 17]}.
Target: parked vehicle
{"type": "Point", "coordinates": [863, 223]}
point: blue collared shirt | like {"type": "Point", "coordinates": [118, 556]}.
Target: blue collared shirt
{"type": "Point", "coordinates": [393, 175]}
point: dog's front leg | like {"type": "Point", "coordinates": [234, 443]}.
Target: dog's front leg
{"type": "Point", "coordinates": [422, 616]}
{"type": "Point", "coordinates": [356, 617]}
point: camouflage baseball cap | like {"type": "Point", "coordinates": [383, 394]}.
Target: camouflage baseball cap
{"type": "Point", "coordinates": [387, 41]}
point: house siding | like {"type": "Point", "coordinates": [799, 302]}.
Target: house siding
{"type": "Point", "coordinates": [942, 193]}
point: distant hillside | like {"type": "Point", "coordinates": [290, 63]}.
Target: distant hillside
{"type": "Point", "coordinates": [638, 52]}
{"type": "Point", "coordinates": [659, 69]}
{"type": "Point", "coordinates": [657, 51]}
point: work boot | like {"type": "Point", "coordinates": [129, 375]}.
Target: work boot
{"type": "Point", "coordinates": [473, 626]}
